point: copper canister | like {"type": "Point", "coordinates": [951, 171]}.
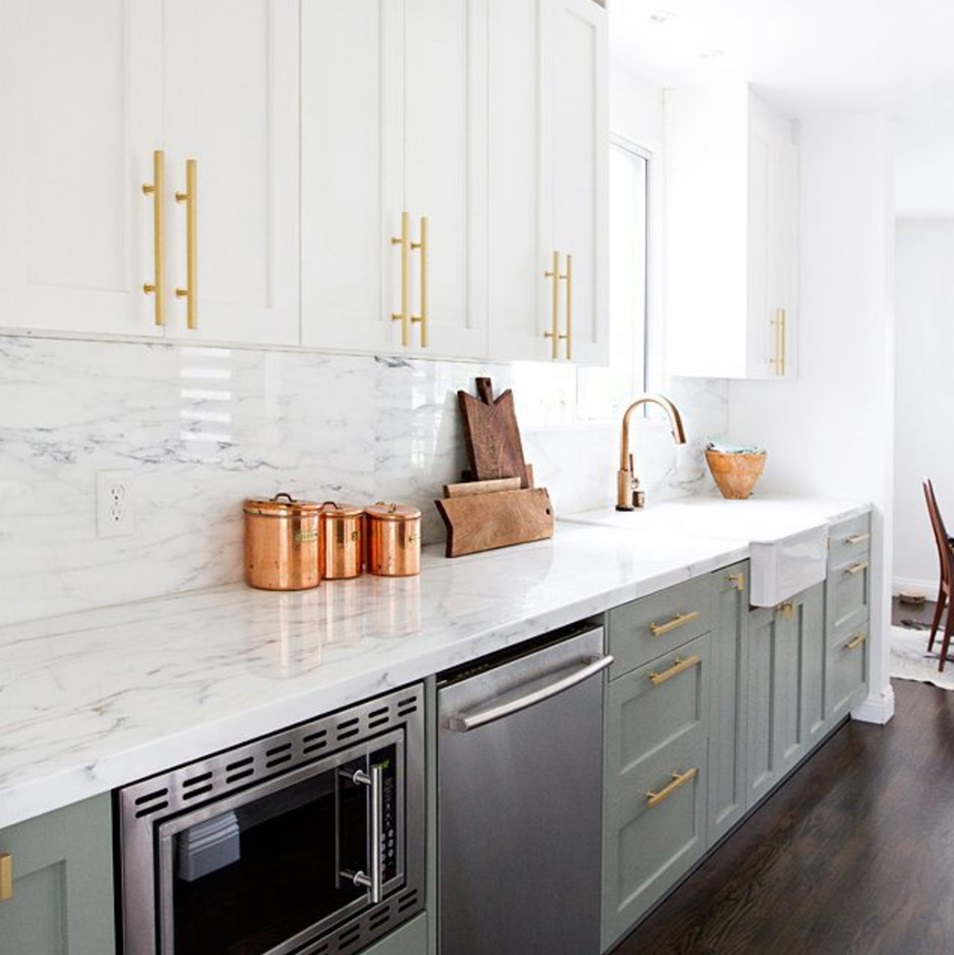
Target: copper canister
{"type": "Point", "coordinates": [394, 540]}
{"type": "Point", "coordinates": [283, 543]}
{"type": "Point", "coordinates": [344, 540]}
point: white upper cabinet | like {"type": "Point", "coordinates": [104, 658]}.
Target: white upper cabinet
{"type": "Point", "coordinates": [547, 180]}
{"type": "Point", "coordinates": [731, 236]}
{"type": "Point", "coordinates": [231, 105]}
{"type": "Point", "coordinates": [88, 93]}
{"type": "Point", "coordinates": [79, 109]}
{"type": "Point", "coordinates": [393, 224]}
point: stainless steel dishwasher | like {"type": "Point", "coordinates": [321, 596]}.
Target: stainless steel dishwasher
{"type": "Point", "coordinates": [520, 796]}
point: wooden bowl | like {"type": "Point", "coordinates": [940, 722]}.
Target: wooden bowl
{"type": "Point", "coordinates": [735, 474]}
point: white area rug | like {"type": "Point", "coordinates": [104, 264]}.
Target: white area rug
{"type": "Point", "coordinates": [910, 660]}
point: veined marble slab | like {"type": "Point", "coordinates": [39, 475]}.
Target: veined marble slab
{"type": "Point", "coordinates": [94, 700]}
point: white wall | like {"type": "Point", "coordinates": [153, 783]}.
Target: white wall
{"type": "Point", "coordinates": [831, 431]}
{"type": "Point", "coordinates": [924, 392]}
{"type": "Point", "coordinates": [636, 108]}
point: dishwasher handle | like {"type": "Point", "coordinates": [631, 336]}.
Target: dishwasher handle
{"type": "Point", "coordinates": [462, 723]}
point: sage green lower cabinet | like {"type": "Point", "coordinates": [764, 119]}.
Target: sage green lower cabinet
{"type": "Point", "coordinates": [409, 939]}
{"type": "Point", "coordinates": [786, 687]}
{"type": "Point", "coordinates": [62, 901]}
{"type": "Point", "coordinates": [727, 725]}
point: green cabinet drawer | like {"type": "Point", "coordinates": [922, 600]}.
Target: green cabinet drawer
{"type": "Point", "coordinates": [651, 626]}
{"type": "Point", "coordinates": [651, 708]}
{"type": "Point", "coordinates": [653, 833]}
{"type": "Point", "coordinates": [849, 540]}
{"type": "Point", "coordinates": [847, 672]}
{"type": "Point", "coordinates": [849, 596]}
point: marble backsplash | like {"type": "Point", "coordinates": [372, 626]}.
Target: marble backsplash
{"type": "Point", "coordinates": [203, 428]}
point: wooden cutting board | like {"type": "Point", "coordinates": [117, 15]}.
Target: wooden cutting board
{"type": "Point", "coordinates": [485, 521]}
{"type": "Point", "coordinates": [493, 441]}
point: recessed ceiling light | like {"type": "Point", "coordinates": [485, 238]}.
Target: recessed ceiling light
{"type": "Point", "coordinates": [711, 54]}
{"type": "Point", "coordinates": [661, 16]}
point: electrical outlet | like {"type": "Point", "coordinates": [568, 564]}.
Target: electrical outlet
{"type": "Point", "coordinates": [114, 513]}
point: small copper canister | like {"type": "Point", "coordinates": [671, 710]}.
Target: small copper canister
{"type": "Point", "coordinates": [283, 543]}
{"type": "Point", "coordinates": [394, 540]}
{"type": "Point", "coordinates": [344, 540]}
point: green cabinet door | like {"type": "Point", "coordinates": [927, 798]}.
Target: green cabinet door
{"type": "Point", "coordinates": [786, 688]}
{"type": "Point", "coordinates": [62, 902]}
{"type": "Point", "coordinates": [727, 725]}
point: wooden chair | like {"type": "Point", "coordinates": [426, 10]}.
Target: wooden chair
{"type": "Point", "coordinates": [945, 552]}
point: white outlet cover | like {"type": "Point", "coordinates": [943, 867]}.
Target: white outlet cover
{"type": "Point", "coordinates": [114, 503]}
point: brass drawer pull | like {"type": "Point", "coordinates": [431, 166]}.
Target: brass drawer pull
{"type": "Point", "coordinates": [856, 642]}
{"type": "Point", "coordinates": [737, 581]}
{"type": "Point", "coordinates": [678, 667]}
{"type": "Point", "coordinates": [857, 568]}
{"type": "Point", "coordinates": [659, 629]}
{"type": "Point", "coordinates": [786, 609]}
{"type": "Point", "coordinates": [190, 290]}
{"type": "Point", "coordinates": [678, 779]}
{"type": "Point", "coordinates": [6, 876]}
{"type": "Point", "coordinates": [857, 538]}
{"type": "Point", "coordinates": [156, 189]}
{"type": "Point", "coordinates": [422, 246]}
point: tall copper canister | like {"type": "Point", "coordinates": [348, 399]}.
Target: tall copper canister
{"type": "Point", "coordinates": [344, 540]}
{"type": "Point", "coordinates": [394, 540]}
{"type": "Point", "coordinates": [283, 543]}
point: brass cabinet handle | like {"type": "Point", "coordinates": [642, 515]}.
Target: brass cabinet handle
{"type": "Point", "coordinates": [404, 241]}
{"type": "Point", "coordinates": [784, 336]}
{"type": "Point", "coordinates": [554, 333]}
{"type": "Point", "coordinates": [658, 629]}
{"type": "Point", "coordinates": [422, 245]}
{"type": "Point", "coordinates": [857, 538]}
{"type": "Point", "coordinates": [157, 189]}
{"type": "Point", "coordinates": [678, 667]}
{"type": "Point", "coordinates": [786, 609]}
{"type": "Point", "coordinates": [776, 361]}
{"type": "Point", "coordinates": [856, 642]}
{"type": "Point", "coordinates": [6, 876]}
{"type": "Point", "coordinates": [678, 779]}
{"type": "Point", "coordinates": [190, 198]}
{"type": "Point", "coordinates": [737, 581]}
{"type": "Point", "coordinates": [857, 568]}
{"type": "Point", "coordinates": [567, 277]}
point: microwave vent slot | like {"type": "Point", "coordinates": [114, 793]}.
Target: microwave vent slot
{"type": "Point", "coordinates": [151, 802]}
{"type": "Point", "coordinates": [347, 939]}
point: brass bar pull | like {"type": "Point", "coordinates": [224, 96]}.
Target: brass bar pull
{"type": "Point", "coordinates": [680, 666]}
{"type": "Point", "coordinates": [856, 642]}
{"type": "Point", "coordinates": [422, 245]}
{"type": "Point", "coordinates": [554, 333]}
{"type": "Point", "coordinates": [737, 581]}
{"type": "Point", "coordinates": [857, 538]}
{"type": "Point", "coordinates": [404, 241]}
{"type": "Point", "coordinates": [786, 609]}
{"type": "Point", "coordinates": [189, 293]}
{"type": "Point", "coordinates": [681, 619]}
{"type": "Point", "coordinates": [157, 189]}
{"type": "Point", "coordinates": [6, 876]}
{"type": "Point", "coordinates": [777, 325]}
{"type": "Point", "coordinates": [784, 337]}
{"type": "Point", "coordinates": [678, 780]}
{"type": "Point", "coordinates": [567, 277]}
{"type": "Point", "coordinates": [857, 568]}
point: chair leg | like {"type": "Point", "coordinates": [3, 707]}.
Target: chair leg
{"type": "Point", "coordinates": [941, 599]}
{"type": "Point", "coordinates": [945, 643]}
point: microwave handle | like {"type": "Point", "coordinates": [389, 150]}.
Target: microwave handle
{"type": "Point", "coordinates": [375, 882]}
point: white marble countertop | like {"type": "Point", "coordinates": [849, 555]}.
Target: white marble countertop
{"type": "Point", "coordinates": [94, 700]}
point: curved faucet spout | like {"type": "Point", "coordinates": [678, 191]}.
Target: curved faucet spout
{"type": "Point", "coordinates": [628, 496]}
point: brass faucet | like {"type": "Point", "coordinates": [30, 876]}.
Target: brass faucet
{"type": "Point", "coordinates": [628, 495]}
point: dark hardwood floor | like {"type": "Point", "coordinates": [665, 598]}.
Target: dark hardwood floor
{"type": "Point", "coordinates": [854, 854]}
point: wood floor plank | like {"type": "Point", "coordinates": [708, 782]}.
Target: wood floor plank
{"type": "Point", "coordinates": [854, 855]}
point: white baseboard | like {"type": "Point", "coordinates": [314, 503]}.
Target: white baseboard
{"type": "Point", "coordinates": [928, 587]}
{"type": "Point", "coordinates": [878, 708]}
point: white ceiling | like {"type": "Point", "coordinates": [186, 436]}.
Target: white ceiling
{"type": "Point", "coordinates": [811, 57]}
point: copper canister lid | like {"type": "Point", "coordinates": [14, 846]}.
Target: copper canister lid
{"type": "Point", "coordinates": [281, 505]}
{"type": "Point", "coordinates": [334, 509]}
{"type": "Point", "coordinates": [393, 512]}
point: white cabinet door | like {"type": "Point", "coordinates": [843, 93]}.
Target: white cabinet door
{"type": "Point", "coordinates": [79, 110]}
{"type": "Point", "coordinates": [547, 146]}
{"type": "Point", "coordinates": [393, 107]}
{"type": "Point", "coordinates": [783, 268]}
{"type": "Point", "coordinates": [577, 148]}
{"type": "Point", "coordinates": [231, 104]}
{"type": "Point", "coordinates": [352, 128]}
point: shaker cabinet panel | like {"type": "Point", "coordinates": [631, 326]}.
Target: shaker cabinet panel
{"type": "Point", "coordinates": [231, 104]}
{"type": "Point", "coordinates": [79, 107]}
{"type": "Point", "coordinates": [62, 901]}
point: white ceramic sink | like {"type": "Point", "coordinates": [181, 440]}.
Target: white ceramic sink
{"type": "Point", "coordinates": [788, 545]}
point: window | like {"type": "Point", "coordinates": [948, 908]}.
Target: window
{"type": "Point", "coordinates": [603, 393]}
